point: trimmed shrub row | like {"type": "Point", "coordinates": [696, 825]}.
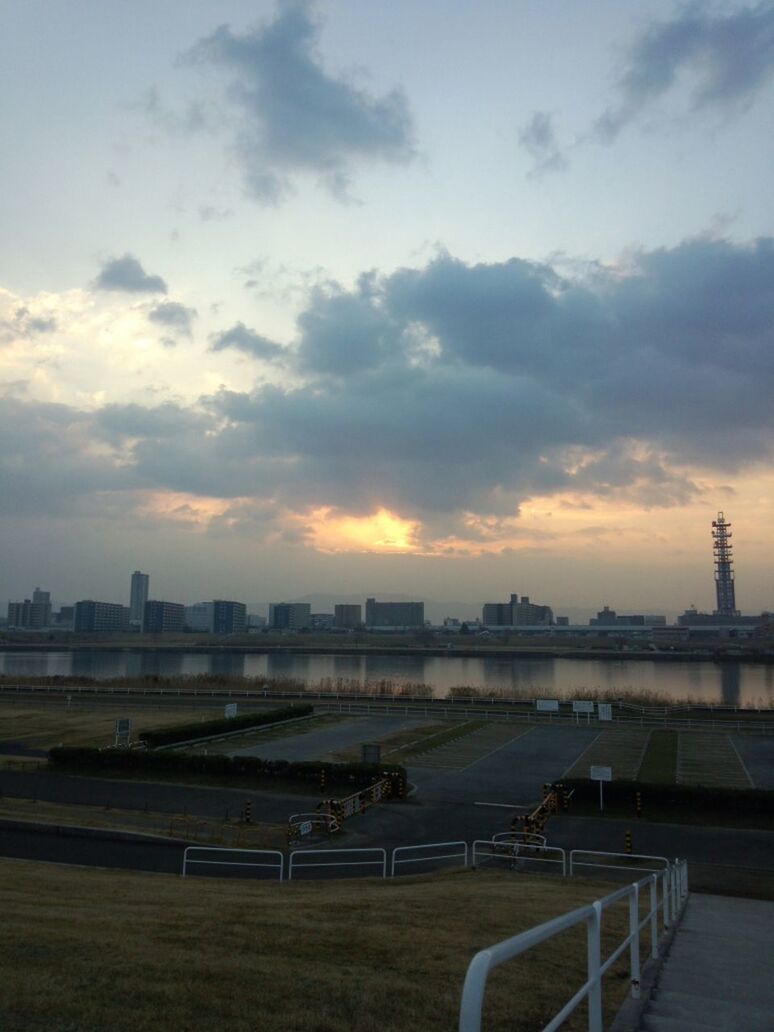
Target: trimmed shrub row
{"type": "Point", "coordinates": [262, 772]}
{"type": "Point", "coordinates": [187, 732]}
{"type": "Point", "coordinates": [698, 798]}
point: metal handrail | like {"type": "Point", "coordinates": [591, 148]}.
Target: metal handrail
{"type": "Point", "coordinates": [428, 859]}
{"type": "Point", "coordinates": [292, 862]}
{"type": "Point", "coordinates": [499, 851]}
{"type": "Point", "coordinates": [233, 863]}
{"type": "Point", "coordinates": [675, 888]}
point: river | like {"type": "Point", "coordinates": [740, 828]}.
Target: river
{"type": "Point", "coordinates": [729, 683]}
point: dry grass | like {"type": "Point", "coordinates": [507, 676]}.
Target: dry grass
{"type": "Point", "coordinates": [43, 725]}
{"type": "Point", "coordinates": [227, 833]}
{"type": "Point", "coordinates": [622, 750]}
{"type": "Point", "coordinates": [92, 950]}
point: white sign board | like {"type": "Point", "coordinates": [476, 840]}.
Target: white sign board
{"type": "Point", "coordinates": [547, 705]}
{"type": "Point", "coordinates": [605, 711]}
{"type": "Point", "coordinates": [231, 709]}
{"type": "Point", "coordinates": [601, 773]}
{"type": "Point", "coordinates": [123, 726]}
{"type": "Point", "coordinates": [582, 706]}
{"type": "Point", "coordinates": [305, 828]}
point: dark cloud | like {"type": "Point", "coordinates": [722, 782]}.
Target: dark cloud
{"type": "Point", "coordinates": [454, 389]}
{"type": "Point", "coordinates": [728, 59]}
{"type": "Point", "coordinates": [538, 138]}
{"type": "Point", "coordinates": [24, 325]}
{"type": "Point", "coordinates": [241, 338]}
{"type": "Point", "coordinates": [293, 116]}
{"type": "Point", "coordinates": [127, 274]}
{"type": "Point", "coordinates": [173, 315]}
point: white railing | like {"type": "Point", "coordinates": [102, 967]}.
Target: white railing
{"type": "Point", "coordinates": [277, 865]}
{"type": "Point", "coordinates": [675, 887]}
{"type": "Point", "coordinates": [304, 823]}
{"type": "Point", "coordinates": [380, 860]}
{"type": "Point", "coordinates": [528, 838]}
{"type": "Point", "coordinates": [523, 852]}
{"type": "Point", "coordinates": [461, 853]}
{"type": "Point", "coordinates": [664, 861]}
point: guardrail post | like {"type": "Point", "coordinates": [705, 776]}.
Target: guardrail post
{"type": "Point", "coordinates": [673, 889]}
{"type": "Point", "coordinates": [654, 916]}
{"type": "Point", "coordinates": [634, 945]}
{"type": "Point", "coordinates": [665, 898]}
{"type": "Point", "coordinates": [593, 949]}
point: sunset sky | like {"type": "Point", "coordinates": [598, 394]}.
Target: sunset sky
{"type": "Point", "coordinates": [445, 300]}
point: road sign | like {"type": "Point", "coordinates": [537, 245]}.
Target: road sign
{"type": "Point", "coordinates": [582, 706]}
{"type": "Point", "coordinates": [231, 709]}
{"type": "Point", "coordinates": [604, 711]}
{"type": "Point", "coordinates": [371, 752]}
{"type": "Point", "coordinates": [123, 726]}
{"type": "Point", "coordinates": [305, 828]}
{"type": "Point", "coordinates": [547, 705]}
{"type": "Point", "coordinates": [601, 774]}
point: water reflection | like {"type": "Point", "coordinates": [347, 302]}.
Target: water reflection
{"type": "Point", "coordinates": [745, 684]}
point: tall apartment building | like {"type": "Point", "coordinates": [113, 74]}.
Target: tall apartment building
{"type": "Point", "coordinates": [138, 596]}
{"type": "Point", "coordinates": [394, 615]}
{"type": "Point", "coordinates": [163, 617]}
{"type": "Point", "coordinates": [228, 617]}
{"type": "Point", "coordinates": [30, 615]}
{"type": "Point", "coordinates": [97, 617]}
{"type": "Point", "coordinates": [291, 616]}
{"type": "Point", "coordinates": [347, 616]}
{"type": "Point", "coordinates": [519, 612]}
{"type": "Point", "coordinates": [198, 617]}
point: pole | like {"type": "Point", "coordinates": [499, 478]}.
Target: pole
{"type": "Point", "coordinates": [601, 804]}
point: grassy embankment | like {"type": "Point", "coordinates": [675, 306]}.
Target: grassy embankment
{"type": "Point", "coordinates": [91, 950]}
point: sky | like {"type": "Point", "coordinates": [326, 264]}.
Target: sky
{"type": "Point", "coordinates": [445, 301]}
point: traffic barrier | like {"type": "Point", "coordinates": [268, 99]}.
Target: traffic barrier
{"type": "Point", "coordinates": [428, 859]}
{"type": "Point", "coordinates": [379, 859]}
{"type": "Point", "coordinates": [220, 861]}
{"type": "Point", "coordinates": [520, 853]}
{"type": "Point", "coordinates": [301, 824]}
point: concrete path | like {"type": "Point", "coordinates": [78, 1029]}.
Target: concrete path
{"type": "Point", "coordinates": [757, 754]}
{"type": "Point", "coordinates": [317, 744]}
{"type": "Point", "coordinates": [718, 974]}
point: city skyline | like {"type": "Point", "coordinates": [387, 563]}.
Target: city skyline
{"type": "Point", "coordinates": [402, 299]}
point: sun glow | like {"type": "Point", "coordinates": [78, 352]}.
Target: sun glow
{"type": "Point", "coordinates": [382, 531]}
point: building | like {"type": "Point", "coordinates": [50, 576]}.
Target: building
{"type": "Point", "coordinates": [99, 617]}
{"type": "Point", "coordinates": [138, 596]}
{"type": "Point", "coordinates": [322, 621]}
{"type": "Point", "coordinates": [347, 616]}
{"type": "Point", "coordinates": [31, 614]}
{"type": "Point", "coordinates": [394, 616]}
{"type": "Point", "coordinates": [290, 616]}
{"type": "Point", "coordinates": [607, 617]}
{"type": "Point", "coordinates": [228, 617]}
{"type": "Point", "coordinates": [198, 617]}
{"type": "Point", "coordinates": [163, 617]}
{"type": "Point", "coordinates": [519, 612]}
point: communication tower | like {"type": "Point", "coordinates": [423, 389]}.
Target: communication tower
{"type": "Point", "coordinates": [724, 567]}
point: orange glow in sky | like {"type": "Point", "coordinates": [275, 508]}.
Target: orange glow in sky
{"type": "Point", "coordinates": [382, 531]}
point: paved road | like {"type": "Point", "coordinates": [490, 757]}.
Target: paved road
{"type": "Point", "coordinates": [757, 754]}
{"type": "Point", "coordinates": [315, 744]}
{"type": "Point", "coordinates": [216, 803]}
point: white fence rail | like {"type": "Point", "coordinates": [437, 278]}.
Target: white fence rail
{"type": "Point", "coordinates": [278, 864]}
{"type": "Point", "coordinates": [461, 853]}
{"type": "Point", "coordinates": [379, 859]}
{"type": "Point", "coordinates": [674, 892]}
{"type": "Point", "coordinates": [518, 852]}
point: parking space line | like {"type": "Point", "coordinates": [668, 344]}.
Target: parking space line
{"type": "Point", "coordinates": [522, 734]}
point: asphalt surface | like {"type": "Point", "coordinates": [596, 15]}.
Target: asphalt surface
{"type": "Point", "coordinates": [757, 754]}
{"type": "Point", "coordinates": [320, 742]}
{"type": "Point", "coordinates": [216, 803]}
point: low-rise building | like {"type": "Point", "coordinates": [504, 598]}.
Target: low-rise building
{"type": "Point", "coordinates": [163, 617]}
{"type": "Point", "coordinates": [99, 617]}
{"type": "Point", "coordinates": [347, 616]}
{"type": "Point", "coordinates": [394, 616]}
{"type": "Point", "coordinates": [290, 616]}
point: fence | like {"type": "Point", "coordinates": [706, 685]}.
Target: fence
{"type": "Point", "coordinates": [518, 852]}
{"type": "Point", "coordinates": [277, 865]}
{"type": "Point", "coordinates": [674, 893]}
{"type": "Point", "coordinates": [379, 860]}
{"type": "Point", "coordinates": [459, 854]}
{"type": "Point", "coordinates": [301, 824]}
{"type": "Point", "coordinates": [625, 715]}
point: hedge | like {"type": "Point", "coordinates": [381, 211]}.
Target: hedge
{"type": "Point", "coordinates": [698, 798]}
{"type": "Point", "coordinates": [187, 732]}
{"type": "Point", "coordinates": [263, 772]}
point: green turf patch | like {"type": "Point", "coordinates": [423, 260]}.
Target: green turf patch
{"type": "Point", "coordinates": [659, 764]}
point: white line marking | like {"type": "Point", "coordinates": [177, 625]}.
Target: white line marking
{"type": "Point", "coordinates": [506, 806]}
{"type": "Point", "coordinates": [732, 743]}
{"type": "Point", "coordinates": [580, 756]}
{"type": "Point", "coordinates": [499, 747]}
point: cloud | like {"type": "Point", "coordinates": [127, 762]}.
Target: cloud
{"type": "Point", "coordinates": [241, 338]}
{"type": "Point", "coordinates": [727, 59]}
{"type": "Point", "coordinates": [127, 274]}
{"type": "Point", "coordinates": [538, 138]}
{"type": "Point", "coordinates": [293, 117]}
{"type": "Point", "coordinates": [174, 315]}
{"type": "Point", "coordinates": [449, 395]}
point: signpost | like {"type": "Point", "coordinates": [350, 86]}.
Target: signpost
{"type": "Point", "coordinates": [605, 711]}
{"type": "Point", "coordinates": [601, 774]}
{"type": "Point", "coordinates": [305, 828]}
{"type": "Point", "coordinates": [231, 710]}
{"type": "Point", "coordinates": [123, 731]}
{"type": "Point", "coordinates": [547, 705]}
{"type": "Point", "coordinates": [582, 706]}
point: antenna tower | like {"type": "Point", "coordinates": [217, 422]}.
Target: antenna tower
{"type": "Point", "coordinates": [724, 567]}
